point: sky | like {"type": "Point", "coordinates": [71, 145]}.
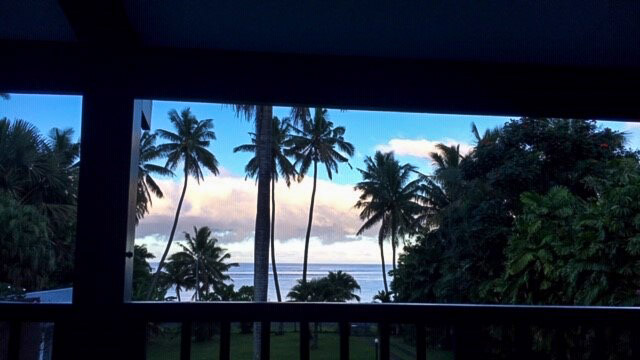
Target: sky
{"type": "Point", "coordinates": [227, 202]}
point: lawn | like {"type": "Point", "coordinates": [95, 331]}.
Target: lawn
{"type": "Point", "coordinates": [286, 346]}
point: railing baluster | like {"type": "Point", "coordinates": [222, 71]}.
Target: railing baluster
{"type": "Point", "coordinates": [421, 342]}
{"type": "Point", "coordinates": [265, 343]}
{"type": "Point", "coordinates": [15, 332]}
{"type": "Point", "coordinates": [345, 328]}
{"type": "Point", "coordinates": [304, 340]}
{"type": "Point", "coordinates": [384, 329]}
{"type": "Point", "coordinates": [185, 341]}
{"type": "Point", "coordinates": [225, 340]}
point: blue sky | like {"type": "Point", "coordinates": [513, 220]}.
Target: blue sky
{"type": "Point", "coordinates": [227, 202]}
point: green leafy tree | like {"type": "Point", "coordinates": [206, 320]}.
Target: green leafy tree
{"type": "Point", "coordinates": [317, 141]}
{"type": "Point", "coordinates": [37, 174]}
{"type": "Point", "coordinates": [388, 196]}
{"type": "Point", "coordinates": [471, 202]}
{"type": "Point", "coordinates": [147, 186]}
{"type": "Point", "coordinates": [280, 166]}
{"type": "Point", "coordinates": [187, 146]}
{"type": "Point", "coordinates": [26, 249]}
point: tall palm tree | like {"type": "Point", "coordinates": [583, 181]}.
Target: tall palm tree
{"type": "Point", "coordinates": [261, 115]}
{"type": "Point", "coordinates": [187, 146]}
{"type": "Point", "coordinates": [146, 184]}
{"type": "Point", "coordinates": [316, 142]}
{"type": "Point", "coordinates": [280, 165]}
{"type": "Point", "coordinates": [204, 262]}
{"type": "Point", "coordinates": [389, 197]}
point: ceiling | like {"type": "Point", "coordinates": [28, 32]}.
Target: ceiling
{"type": "Point", "coordinates": [562, 32]}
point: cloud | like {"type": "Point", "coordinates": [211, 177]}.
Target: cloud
{"type": "Point", "coordinates": [421, 148]}
{"type": "Point", "coordinates": [227, 204]}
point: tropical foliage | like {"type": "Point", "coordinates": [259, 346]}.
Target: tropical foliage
{"type": "Point", "coordinates": [335, 287]}
{"type": "Point", "coordinates": [38, 190]}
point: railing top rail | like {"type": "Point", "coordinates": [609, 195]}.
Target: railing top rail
{"type": "Point", "coordinates": [330, 312]}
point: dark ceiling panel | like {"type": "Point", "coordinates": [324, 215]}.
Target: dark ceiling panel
{"type": "Point", "coordinates": [33, 20]}
{"type": "Point", "coordinates": [560, 32]}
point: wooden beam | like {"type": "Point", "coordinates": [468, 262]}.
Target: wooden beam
{"type": "Point", "coordinates": [341, 82]}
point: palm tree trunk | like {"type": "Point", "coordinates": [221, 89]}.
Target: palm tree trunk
{"type": "Point", "coordinates": [306, 239]}
{"type": "Point", "coordinates": [261, 242]}
{"type": "Point", "coordinates": [393, 252]}
{"type": "Point", "coordinates": [384, 270]}
{"type": "Point", "coordinates": [173, 232]}
{"type": "Point", "coordinates": [273, 242]}
{"type": "Point", "coordinates": [178, 294]}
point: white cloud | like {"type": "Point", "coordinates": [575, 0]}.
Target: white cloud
{"type": "Point", "coordinates": [421, 148]}
{"type": "Point", "coordinates": [353, 250]}
{"type": "Point", "coordinates": [227, 204]}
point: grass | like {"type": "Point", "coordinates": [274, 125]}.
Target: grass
{"type": "Point", "coordinates": [286, 346]}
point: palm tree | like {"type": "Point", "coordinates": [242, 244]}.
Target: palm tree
{"type": "Point", "coordinates": [340, 287]}
{"type": "Point", "coordinates": [383, 297]}
{"type": "Point", "coordinates": [280, 165]}
{"type": "Point", "coordinates": [203, 262]}
{"type": "Point", "coordinates": [178, 276]}
{"type": "Point", "coordinates": [187, 146]}
{"type": "Point", "coordinates": [261, 115]}
{"type": "Point", "coordinates": [316, 141]}
{"type": "Point", "coordinates": [389, 197]}
{"type": "Point", "coordinates": [61, 143]}
{"type": "Point", "coordinates": [146, 184]}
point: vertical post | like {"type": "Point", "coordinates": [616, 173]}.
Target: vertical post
{"type": "Point", "coordinates": [421, 342]}
{"type": "Point", "coordinates": [304, 340]}
{"type": "Point", "coordinates": [265, 343]}
{"type": "Point", "coordinates": [344, 340]}
{"type": "Point", "coordinates": [105, 231]}
{"type": "Point", "coordinates": [185, 340]}
{"type": "Point", "coordinates": [384, 330]}
{"type": "Point", "coordinates": [15, 332]}
{"type": "Point", "coordinates": [225, 340]}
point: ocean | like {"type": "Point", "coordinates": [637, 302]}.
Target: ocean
{"type": "Point", "coordinates": [368, 276]}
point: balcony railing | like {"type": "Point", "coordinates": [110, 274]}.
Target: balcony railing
{"type": "Point", "coordinates": [458, 317]}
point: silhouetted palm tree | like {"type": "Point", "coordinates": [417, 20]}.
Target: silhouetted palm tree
{"type": "Point", "coordinates": [178, 276]}
{"type": "Point", "coordinates": [280, 166]}
{"type": "Point", "coordinates": [383, 297]}
{"type": "Point", "coordinates": [388, 197]}
{"type": "Point", "coordinates": [261, 116]}
{"type": "Point", "coordinates": [340, 287]}
{"type": "Point", "coordinates": [203, 262]}
{"type": "Point", "coordinates": [316, 142]}
{"type": "Point", "coordinates": [187, 146]}
{"type": "Point", "coordinates": [146, 184]}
